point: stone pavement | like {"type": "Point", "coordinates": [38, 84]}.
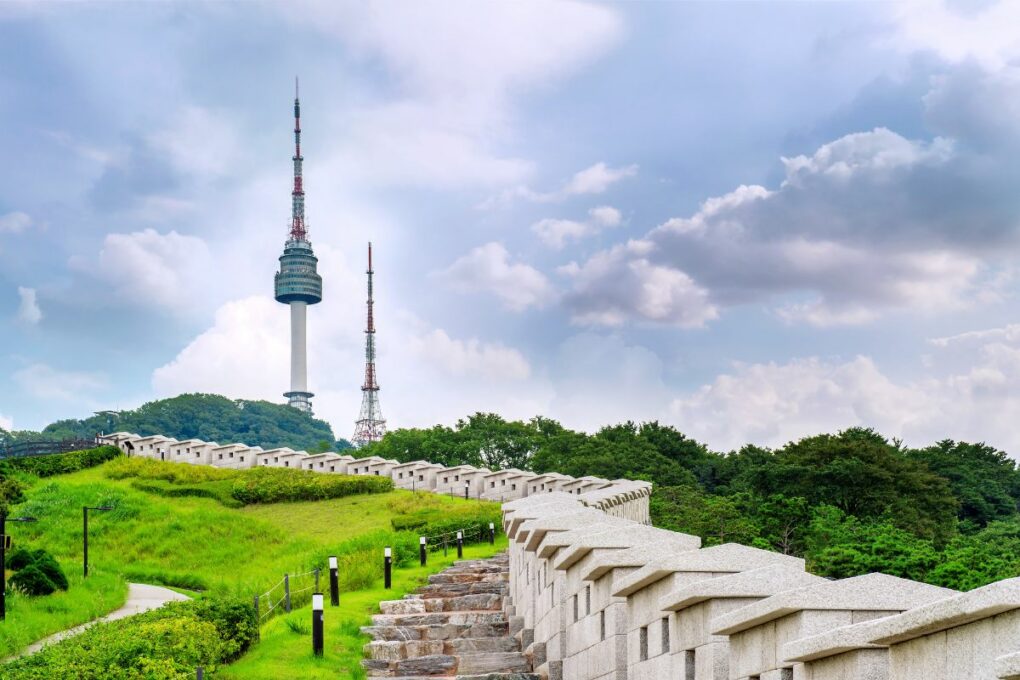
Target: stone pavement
{"type": "Point", "coordinates": [454, 627]}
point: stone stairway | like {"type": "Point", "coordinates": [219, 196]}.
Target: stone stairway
{"type": "Point", "coordinates": [454, 627]}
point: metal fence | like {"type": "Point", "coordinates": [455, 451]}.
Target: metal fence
{"type": "Point", "coordinates": [43, 447]}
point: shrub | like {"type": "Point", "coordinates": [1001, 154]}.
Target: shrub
{"type": "Point", "coordinates": [32, 581]}
{"type": "Point", "coordinates": [163, 644]}
{"type": "Point", "coordinates": [64, 463]}
{"type": "Point", "coordinates": [45, 563]}
{"type": "Point", "coordinates": [274, 485]}
{"type": "Point", "coordinates": [20, 558]}
{"type": "Point", "coordinates": [174, 473]}
{"type": "Point", "coordinates": [218, 491]}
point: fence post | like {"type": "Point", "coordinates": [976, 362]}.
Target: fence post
{"type": "Point", "coordinates": [258, 619]}
{"type": "Point", "coordinates": [199, 673]}
{"type": "Point", "coordinates": [444, 544]}
{"type": "Point", "coordinates": [317, 579]}
{"type": "Point", "coordinates": [460, 545]}
{"type": "Point", "coordinates": [422, 552]}
{"type": "Point", "coordinates": [286, 591]}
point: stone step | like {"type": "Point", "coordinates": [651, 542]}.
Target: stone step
{"type": "Point", "coordinates": [395, 650]}
{"type": "Point", "coordinates": [492, 662]}
{"type": "Point", "coordinates": [439, 618]}
{"type": "Point", "coordinates": [443, 577]}
{"type": "Point", "coordinates": [449, 631]}
{"type": "Point", "coordinates": [456, 589]}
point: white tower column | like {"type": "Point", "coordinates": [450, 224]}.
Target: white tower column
{"type": "Point", "coordinates": [298, 355]}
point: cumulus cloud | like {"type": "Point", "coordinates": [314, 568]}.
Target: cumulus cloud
{"type": "Point", "coordinates": [956, 31]}
{"type": "Point", "coordinates": [556, 233]}
{"type": "Point", "coordinates": [971, 391]}
{"type": "Point", "coordinates": [869, 222]}
{"type": "Point", "coordinates": [620, 284]}
{"type": "Point", "coordinates": [595, 179]}
{"type": "Point", "coordinates": [491, 268]}
{"type": "Point", "coordinates": [151, 268]}
{"type": "Point", "coordinates": [456, 67]}
{"type": "Point", "coordinates": [42, 381]}
{"type": "Point", "coordinates": [462, 357]}
{"type": "Point", "coordinates": [28, 309]}
{"type": "Point", "coordinates": [14, 222]}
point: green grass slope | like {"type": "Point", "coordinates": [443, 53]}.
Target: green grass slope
{"type": "Point", "coordinates": [199, 543]}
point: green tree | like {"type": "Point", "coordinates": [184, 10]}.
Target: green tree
{"type": "Point", "coordinates": [862, 474]}
{"type": "Point", "coordinates": [983, 479]}
{"type": "Point", "coordinates": [715, 519]}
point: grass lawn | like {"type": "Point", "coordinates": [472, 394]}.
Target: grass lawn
{"type": "Point", "coordinates": [188, 543]}
{"type": "Point", "coordinates": [285, 650]}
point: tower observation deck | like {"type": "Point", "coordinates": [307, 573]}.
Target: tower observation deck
{"type": "Point", "coordinates": [298, 283]}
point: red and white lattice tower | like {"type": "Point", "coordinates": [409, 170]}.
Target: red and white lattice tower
{"type": "Point", "coordinates": [370, 426]}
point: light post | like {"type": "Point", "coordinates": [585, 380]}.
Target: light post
{"type": "Point", "coordinates": [3, 559]}
{"type": "Point", "coordinates": [467, 489]}
{"type": "Point", "coordinates": [387, 568]}
{"type": "Point", "coordinates": [85, 533]}
{"type": "Point", "coordinates": [334, 582]}
{"type": "Point", "coordinates": [317, 624]}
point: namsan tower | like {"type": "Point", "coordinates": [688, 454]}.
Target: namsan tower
{"type": "Point", "coordinates": [298, 284]}
{"type": "Point", "coordinates": [370, 426]}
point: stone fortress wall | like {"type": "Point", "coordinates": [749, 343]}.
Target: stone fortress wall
{"type": "Point", "coordinates": [596, 593]}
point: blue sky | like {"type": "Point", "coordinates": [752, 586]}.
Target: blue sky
{"type": "Point", "coordinates": [754, 221]}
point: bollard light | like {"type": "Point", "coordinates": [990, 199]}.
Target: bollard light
{"type": "Point", "coordinates": [388, 568]}
{"type": "Point", "coordinates": [317, 624]}
{"type": "Point", "coordinates": [460, 545]}
{"type": "Point", "coordinates": [422, 551]}
{"type": "Point", "coordinates": [492, 533]}
{"type": "Point", "coordinates": [334, 582]}
{"type": "Point", "coordinates": [467, 489]}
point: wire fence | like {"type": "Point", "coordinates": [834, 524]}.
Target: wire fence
{"type": "Point", "coordinates": [295, 590]}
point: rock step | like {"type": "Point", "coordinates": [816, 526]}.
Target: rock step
{"type": "Point", "coordinates": [449, 631]}
{"type": "Point", "coordinates": [439, 618]}
{"type": "Point", "coordinates": [443, 577]}
{"type": "Point", "coordinates": [394, 650]}
{"type": "Point", "coordinates": [473, 602]}
{"type": "Point", "coordinates": [492, 662]}
{"type": "Point", "coordinates": [457, 589]}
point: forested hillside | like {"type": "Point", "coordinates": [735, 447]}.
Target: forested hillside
{"type": "Point", "coordinates": [850, 503]}
{"type": "Point", "coordinates": [204, 416]}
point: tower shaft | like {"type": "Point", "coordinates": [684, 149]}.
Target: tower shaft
{"type": "Point", "coordinates": [370, 426]}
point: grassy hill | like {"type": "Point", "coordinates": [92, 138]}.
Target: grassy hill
{"type": "Point", "coordinates": [207, 544]}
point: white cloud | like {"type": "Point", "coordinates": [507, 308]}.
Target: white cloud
{"type": "Point", "coordinates": [490, 268]}
{"type": "Point", "coordinates": [957, 31]}
{"type": "Point", "coordinates": [621, 284]}
{"type": "Point", "coordinates": [970, 391]}
{"type": "Point", "coordinates": [6, 422]}
{"type": "Point", "coordinates": [44, 382]}
{"type": "Point", "coordinates": [867, 223]}
{"type": "Point", "coordinates": [200, 143]}
{"type": "Point", "coordinates": [462, 357]}
{"type": "Point", "coordinates": [595, 179]}
{"type": "Point", "coordinates": [456, 67]}
{"type": "Point", "coordinates": [606, 216]}
{"type": "Point", "coordinates": [28, 310]}
{"type": "Point", "coordinates": [14, 222]}
{"type": "Point", "coordinates": [556, 233]}
{"type": "Point", "coordinates": [150, 268]}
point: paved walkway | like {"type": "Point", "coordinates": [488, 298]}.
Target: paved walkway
{"type": "Point", "coordinates": [141, 598]}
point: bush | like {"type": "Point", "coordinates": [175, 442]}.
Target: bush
{"type": "Point", "coordinates": [218, 491]}
{"type": "Point", "coordinates": [41, 561]}
{"type": "Point", "coordinates": [174, 473]}
{"type": "Point", "coordinates": [64, 463]}
{"type": "Point", "coordinates": [32, 581]}
{"type": "Point", "coordinates": [163, 644]}
{"type": "Point", "coordinates": [274, 485]}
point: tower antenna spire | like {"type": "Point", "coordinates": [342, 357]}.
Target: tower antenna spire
{"type": "Point", "coordinates": [370, 426]}
{"type": "Point", "coordinates": [298, 230]}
